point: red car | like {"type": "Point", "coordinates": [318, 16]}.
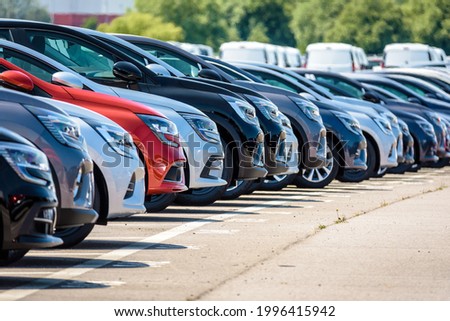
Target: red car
{"type": "Point", "coordinates": [155, 136]}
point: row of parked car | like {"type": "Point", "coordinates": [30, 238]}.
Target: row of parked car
{"type": "Point", "coordinates": [114, 125]}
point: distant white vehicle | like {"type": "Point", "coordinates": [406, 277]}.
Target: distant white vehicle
{"type": "Point", "coordinates": [246, 51]}
{"type": "Point", "coordinates": [333, 56]}
{"type": "Point", "coordinates": [252, 51]}
{"type": "Point", "coordinates": [293, 57]}
{"type": "Point", "coordinates": [440, 54]}
{"type": "Point", "coordinates": [408, 55]}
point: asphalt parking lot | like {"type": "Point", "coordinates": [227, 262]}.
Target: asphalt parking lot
{"type": "Point", "coordinates": [383, 239]}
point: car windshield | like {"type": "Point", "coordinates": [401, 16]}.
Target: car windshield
{"type": "Point", "coordinates": [329, 57]}
{"type": "Point", "coordinates": [352, 90]}
{"type": "Point", "coordinates": [244, 54]}
{"type": "Point", "coordinates": [406, 57]}
{"type": "Point", "coordinates": [74, 53]}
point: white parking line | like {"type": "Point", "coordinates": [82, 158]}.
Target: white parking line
{"type": "Point", "coordinates": [102, 260]}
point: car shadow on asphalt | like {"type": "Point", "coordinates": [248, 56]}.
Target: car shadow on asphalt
{"type": "Point", "coordinates": [28, 283]}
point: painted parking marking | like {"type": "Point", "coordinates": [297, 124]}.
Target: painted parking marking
{"type": "Point", "coordinates": [102, 260]}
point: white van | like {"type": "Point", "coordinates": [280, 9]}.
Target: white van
{"type": "Point", "coordinates": [408, 55]}
{"type": "Point", "coordinates": [293, 57]}
{"type": "Point", "coordinates": [332, 56]}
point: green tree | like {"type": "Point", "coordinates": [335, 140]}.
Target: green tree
{"type": "Point", "coordinates": [23, 9]}
{"type": "Point", "coordinates": [312, 19]}
{"type": "Point", "coordinates": [369, 24]}
{"type": "Point", "coordinates": [143, 24]}
{"type": "Point", "coordinates": [273, 15]}
{"type": "Point", "coordinates": [90, 23]}
{"type": "Point", "coordinates": [258, 32]}
{"type": "Point", "coordinates": [203, 21]}
{"type": "Point", "coordinates": [428, 21]}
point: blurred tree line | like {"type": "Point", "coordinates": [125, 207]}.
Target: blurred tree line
{"type": "Point", "coordinates": [369, 24]}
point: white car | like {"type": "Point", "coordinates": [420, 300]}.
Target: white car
{"type": "Point", "coordinates": [119, 173]}
{"type": "Point", "coordinates": [331, 56]}
{"type": "Point", "coordinates": [408, 55]}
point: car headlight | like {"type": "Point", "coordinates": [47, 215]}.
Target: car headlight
{"type": "Point", "coordinates": [246, 111]}
{"type": "Point", "coordinates": [434, 117]}
{"type": "Point", "coordinates": [284, 120]}
{"type": "Point", "coordinates": [203, 126]}
{"type": "Point", "coordinates": [26, 161]}
{"type": "Point", "coordinates": [63, 128]}
{"type": "Point", "coordinates": [118, 139]}
{"type": "Point", "coordinates": [309, 109]}
{"type": "Point", "coordinates": [392, 118]}
{"type": "Point", "coordinates": [427, 127]}
{"type": "Point", "coordinates": [349, 122]}
{"type": "Point", "coordinates": [267, 108]}
{"type": "Point", "coordinates": [384, 124]}
{"type": "Point", "coordinates": [164, 129]}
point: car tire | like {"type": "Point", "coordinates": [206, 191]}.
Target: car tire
{"type": "Point", "coordinates": [236, 188]}
{"type": "Point", "coordinates": [72, 236]}
{"type": "Point", "coordinates": [277, 182]}
{"type": "Point", "coordinates": [208, 195]}
{"type": "Point", "coordinates": [356, 176]}
{"type": "Point", "coordinates": [8, 257]}
{"type": "Point", "coordinates": [319, 177]}
{"type": "Point", "coordinates": [158, 202]}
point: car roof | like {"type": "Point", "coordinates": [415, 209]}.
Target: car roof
{"type": "Point", "coordinates": [329, 45]}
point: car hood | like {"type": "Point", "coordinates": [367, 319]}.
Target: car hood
{"type": "Point", "coordinates": [155, 101]}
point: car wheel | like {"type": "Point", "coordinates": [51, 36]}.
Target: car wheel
{"type": "Point", "coordinates": [356, 176]}
{"type": "Point", "coordinates": [158, 202]}
{"type": "Point", "coordinates": [208, 195]}
{"type": "Point", "coordinates": [256, 184]}
{"type": "Point", "coordinates": [277, 182]}
{"type": "Point", "coordinates": [10, 256]}
{"type": "Point", "coordinates": [381, 172]}
{"type": "Point", "coordinates": [236, 188]}
{"type": "Point", "coordinates": [72, 236]}
{"type": "Point", "coordinates": [319, 177]}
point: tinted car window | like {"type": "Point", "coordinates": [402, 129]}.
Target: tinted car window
{"type": "Point", "coordinates": [74, 53]}
{"type": "Point", "coordinates": [4, 34]}
{"type": "Point", "coordinates": [176, 61]}
{"type": "Point", "coordinates": [28, 64]}
{"type": "Point", "coordinates": [353, 90]}
{"type": "Point", "coordinates": [271, 80]}
{"type": "Point", "coordinates": [394, 91]}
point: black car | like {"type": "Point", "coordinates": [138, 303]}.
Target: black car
{"type": "Point", "coordinates": [408, 95]}
{"type": "Point", "coordinates": [236, 119]}
{"type": "Point", "coordinates": [421, 87]}
{"type": "Point", "coordinates": [27, 199]}
{"type": "Point", "coordinates": [58, 136]}
{"type": "Point", "coordinates": [420, 119]}
{"type": "Point", "coordinates": [308, 128]}
{"type": "Point", "coordinates": [346, 143]}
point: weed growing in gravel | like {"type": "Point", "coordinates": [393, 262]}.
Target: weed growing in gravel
{"type": "Point", "coordinates": [322, 227]}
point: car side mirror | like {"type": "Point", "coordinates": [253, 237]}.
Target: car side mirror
{"type": "Point", "coordinates": [414, 100]}
{"type": "Point", "coordinates": [67, 79]}
{"type": "Point", "coordinates": [16, 80]}
{"type": "Point", "coordinates": [208, 73]}
{"type": "Point", "coordinates": [372, 97]}
{"type": "Point", "coordinates": [158, 70]}
{"type": "Point", "coordinates": [125, 70]}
